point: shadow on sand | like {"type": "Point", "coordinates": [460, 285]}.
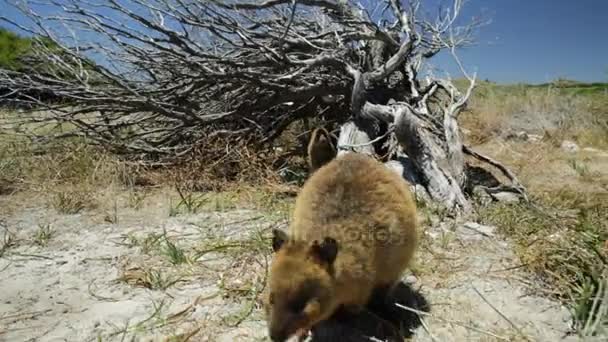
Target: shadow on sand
{"type": "Point", "coordinates": [383, 320]}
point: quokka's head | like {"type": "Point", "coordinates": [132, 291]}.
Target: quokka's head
{"type": "Point", "coordinates": [300, 287]}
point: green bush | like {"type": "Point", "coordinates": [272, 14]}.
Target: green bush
{"type": "Point", "coordinates": [12, 48]}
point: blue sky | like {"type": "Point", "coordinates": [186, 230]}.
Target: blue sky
{"type": "Point", "coordinates": [539, 40]}
{"type": "Point", "coordinates": [533, 41]}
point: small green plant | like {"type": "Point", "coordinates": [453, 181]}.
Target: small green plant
{"type": "Point", "coordinates": [580, 168]}
{"type": "Point", "coordinates": [43, 234]}
{"type": "Point", "coordinates": [188, 201]}
{"type": "Point", "coordinates": [156, 280]}
{"type": "Point", "coordinates": [596, 324]}
{"type": "Point", "coordinates": [12, 48]}
{"type": "Point", "coordinates": [583, 296]}
{"type": "Point", "coordinates": [256, 243]}
{"type": "Point", "coordinates": [130, 240]}
{"type": "Point", "coordinates": [175, 254]}
{"type": "Point", "coordinates": [150, 242]}
{"type": "Point", "coordinates": [9, 170]}
{"type": "Point", "coordinates": [446, 238]}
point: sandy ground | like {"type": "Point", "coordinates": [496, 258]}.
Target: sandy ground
{"type": "Point", "coordinates": [108, 274]}
{"type": "Point", "coordinates": [71, 288]}
{"type": "Point", "coordinates": [478, 285]}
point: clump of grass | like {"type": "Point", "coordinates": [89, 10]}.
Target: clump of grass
{"type": "Point", "coordinates": [43, 234]}
{"type": "Point", "coordinates": [136, 199]}
{"type": "Point", "coordinates": [597, 323]}
{"type": "Point", "coordinates": [189, 202]}
{"type": "Point", "coordinates": [251, 292]}
{"type": "Point", "coordinates": [72, 201]}
{"type": "Point", "coordinates": [64, 162]}
{"type": "Point", "coordinates": [248, 252]}
{"type": "Point", "coordinates": [564, 243]}
{"type": "Point", "coordinates": [255, 244]}
{"type": "Point", "coordinates": [183, 337]}
{"type": "Point", "coordinates": [146, 244]}
{"type": "Point", "coordinates": [582, 170]}
{"type": "Point", "coordinates": [9, 240]}
{"type": "Point", "coordinates": [149, 278]}
{"type": "Point", "coordinates": [112, 215]}
{"type": "Point", "coordinates": [150, 242]}
{"type": "Point", "coordinates": [219, 201]}
{"type": "Point", "coordinates": [579, 167]}
{"type": "Point", "coordinates": [174, 253]}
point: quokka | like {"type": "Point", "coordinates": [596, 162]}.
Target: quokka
{"type": "Point", "coordinates": [352, 235]}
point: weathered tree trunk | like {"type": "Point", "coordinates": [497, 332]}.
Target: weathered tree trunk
{"type": "Point", "coordinates": [441, 173]}
{"type": "Point", "coordinates": [426, 148]}
{"type": "Point", "coordinates": [418, 159]}
{"type": "Point", "coordinates": [434, 168]}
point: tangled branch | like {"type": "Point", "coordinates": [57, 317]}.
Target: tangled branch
{"type": "Point", "coordinates": [154, 77]}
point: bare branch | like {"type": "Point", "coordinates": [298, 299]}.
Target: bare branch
{"type": "Point", "coordinates": [510, 175]}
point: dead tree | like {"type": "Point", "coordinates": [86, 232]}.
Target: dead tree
{"type": "Point", "coordinates": [154, 77]}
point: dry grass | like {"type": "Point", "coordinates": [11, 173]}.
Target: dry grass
{"type": "Point", "coordinates": [219, 164]}
{"type": "Point", "coordinates": [8, 241]}
{"type": "Point", "coordinates": [70, 174]}
{"type": "Point", "coordinates": [563, 240]}
{"type": "Point", "coordinates": [557, 113]}
{"type": "Point", "coordinates": [174, 253]}
{"type": "Point", "coordinates": [67, 162]}
{"type": "Point", "coordinates": [66, 175]}
{"type": "Point", "coordinates": [72, 201]}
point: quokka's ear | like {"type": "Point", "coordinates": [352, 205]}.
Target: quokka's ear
{"type": "Point", "coordinates": [279, 237]}
{"type": "Point", "coordinates": [326, 251]}
{"type": "Point", "coordinates": [321, 150]}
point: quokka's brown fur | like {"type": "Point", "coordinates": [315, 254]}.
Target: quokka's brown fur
{"type": "Point", "coordinates": [320, 148]}
{"type": "Point", "coordinates": [353, 233]}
